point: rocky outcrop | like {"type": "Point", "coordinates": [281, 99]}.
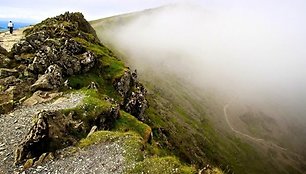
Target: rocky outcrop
{"type": "Point", "coordinates": [54, 130]}
{"type": "Point", "coordinates": [52, 79]}
{"type": "Point", "coordinates": [51, 131]}
{"type": "Point", "coordinates": [12, 90]}
{"type": "Point", "coordinates": [136, 103]}
{"type": "Point", "coordinates": [48, 54]}
{"type": "Point", "coordinates": [36, 141]}
{"type": "Point", "coordinates": [133, 93]}
{"type": "Point", "coordinates": [124, 83]}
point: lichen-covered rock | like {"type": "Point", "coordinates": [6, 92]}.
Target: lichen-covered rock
{"type": "Point", "coordinates": [52, 42]}
{"type": "Point", "coordinates": [133, 93]}
{"type": "Point", "coordinates": [136, 103]}
{"type": "Point", "coordinates": [52, 79]}
{"type": "Point", "coordinates": [23, 46]}
{"type": "Point", "coordinates": [47, 54]}
{"type": "Point", "coordinates": [123, 84]}
{"type": "Point", "coordinates": [88, 61]}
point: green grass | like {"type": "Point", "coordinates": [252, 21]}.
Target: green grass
{"type": "Point", "coordinates": [130, 141]}
{"type": "Point", "coordinates": [127, 122]}
{"type": "Point", "coordinates": [91, 109]}
{"type": "Point", "coordinates": [112, 67]}
{"type": "Point", "coordinates": [105, 87]}
{"type": "Point", "coordinates": [161, 165]}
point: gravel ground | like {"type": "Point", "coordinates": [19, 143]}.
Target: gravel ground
{"type": "Point", "coordinates": [7, 40]}
{"type": "Point", "coordinates": [103, 158]}
{"type": "Point", "coordinates": [15, 125]}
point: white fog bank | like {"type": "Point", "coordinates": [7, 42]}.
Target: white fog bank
{"type": "Point", "coordinates": [253, 49]}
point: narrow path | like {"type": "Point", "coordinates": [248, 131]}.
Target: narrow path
{"type": "Point", "coordinates": [246, 135]}
{"type": "Point", "coordinates": [7, 40]}
{"type": "Point", "coordinates": [102, 158]}
{"type": "Point", "coordinates": [15, 125]}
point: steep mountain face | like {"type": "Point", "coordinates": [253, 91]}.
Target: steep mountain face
{"type": "Point", "coordinates": [68, 104]}
{"type": "Point", "coordinates": [197, 124]}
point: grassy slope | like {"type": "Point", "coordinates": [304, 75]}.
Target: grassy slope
{"type": "Point", "coordinates": [193, 125]}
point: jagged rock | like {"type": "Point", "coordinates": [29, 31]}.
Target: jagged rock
{"type": "Point", "coordinates": [4, 72]}
{"type": "Point", "coordinates": [72, 47]}
{"type": "Point", "coordinates": [23, 46]}
{"type": "Point", "coordinates": [42, 60]}
{"type": "Point", "coordinates": [133, 93]}
{"type": "Point", "coordinates": [18, 88]}
{"type": "Point", "coordinates": [50, 132]}
{"type": "Point", "coordinates": [53, 42]}
{"type": "Point", "coordinates": [79, 20]}
{"type": "Point", "coordinates": [52, 79]}
{"type": "Point", "coordinates": [53, 130]}
{"type": "Point", "coordinates": [36, 141]}
{"type": "Point", "coordinates": [136, 103]}
{"type": "Point", "coordinates": [88, 61]}
{"type": "Point", "coordinates": [123, 84]}
{"type": "Point", "coordinates": [71, 63]}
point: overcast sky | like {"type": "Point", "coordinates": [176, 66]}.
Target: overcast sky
{"type": "Point", "coordinates": [92, 9]}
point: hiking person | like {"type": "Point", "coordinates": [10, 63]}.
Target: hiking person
{"type": "Point", "coordinates": [10, 25]}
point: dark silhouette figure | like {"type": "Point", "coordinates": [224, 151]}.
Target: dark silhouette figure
{"type": "Point", "coordinates": [10, 25]}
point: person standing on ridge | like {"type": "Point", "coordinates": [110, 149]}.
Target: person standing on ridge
{"type": "Point", "coordinates": [10, 25]}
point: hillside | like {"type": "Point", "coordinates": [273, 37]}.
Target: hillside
{"type": "Point", "coordinates": [193, 122]}
{"type": "Point", "coordinates": [69, 105]}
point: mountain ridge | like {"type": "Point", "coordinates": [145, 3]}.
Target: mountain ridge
{"type": "Point", "coordinates": [90, 106]}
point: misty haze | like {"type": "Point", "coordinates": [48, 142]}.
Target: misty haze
{"type": "Point", "coordinates": [250, 53]}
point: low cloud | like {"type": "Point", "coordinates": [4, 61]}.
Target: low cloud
{"type": "Point", "coordinates": [254, 50]}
